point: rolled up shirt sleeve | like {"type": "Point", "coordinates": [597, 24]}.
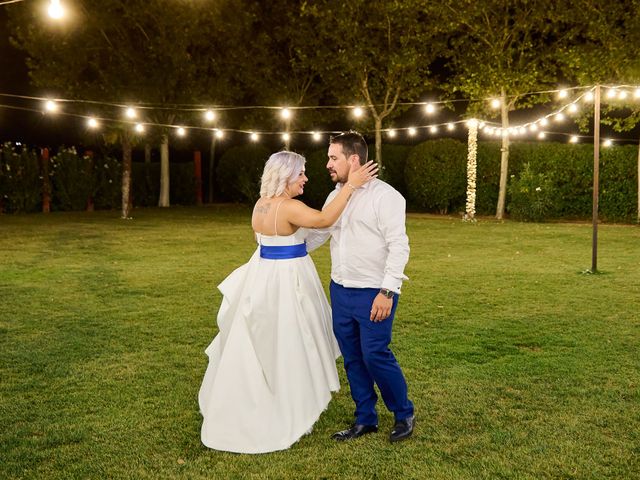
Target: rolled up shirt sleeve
{"type": "Point", "coordinates": [391, 218]}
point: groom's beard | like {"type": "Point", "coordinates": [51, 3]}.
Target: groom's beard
{"type": "Point", "coordinates": [335, 178]}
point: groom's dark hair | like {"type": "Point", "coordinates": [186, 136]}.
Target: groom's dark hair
{"type": "Point", "coordinates": [352, 142]}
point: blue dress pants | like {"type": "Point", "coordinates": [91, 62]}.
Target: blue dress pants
{"type": "Point", "coordinates": [367, 358]}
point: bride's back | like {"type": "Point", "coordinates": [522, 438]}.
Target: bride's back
{"type": "Point", "coordinates": [268, 218]}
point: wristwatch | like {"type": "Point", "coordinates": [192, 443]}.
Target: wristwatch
{"type": "Point", "coordinates": [387, 293]}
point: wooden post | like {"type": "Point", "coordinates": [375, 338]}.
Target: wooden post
{"type": "Point", "coordinates": [46, 182]}
{"type": "Point", "coordinates": [197, 171]}
{"type": "Point", "coordinates": [596, 178]}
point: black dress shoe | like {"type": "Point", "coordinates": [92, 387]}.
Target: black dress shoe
{"type": "Point", "coordinates": [354, 432]}
{"type": "Point", "coordinates": [402, 429]}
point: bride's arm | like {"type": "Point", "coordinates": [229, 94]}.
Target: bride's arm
{"type": "Point", "coordinates": [297, 213]}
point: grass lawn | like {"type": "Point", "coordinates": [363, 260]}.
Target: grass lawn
{"type": "Point", "coordinates": [520, 365]}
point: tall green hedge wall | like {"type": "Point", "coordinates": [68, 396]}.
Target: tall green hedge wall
{"type": "Point", "coordinates": [546, 180]}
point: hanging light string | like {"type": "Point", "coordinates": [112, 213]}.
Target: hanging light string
{"type": "Point", "coordinates": [610, 93]}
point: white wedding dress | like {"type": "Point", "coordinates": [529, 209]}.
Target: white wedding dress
{"type": "Point", "coordinates": [272, 366]}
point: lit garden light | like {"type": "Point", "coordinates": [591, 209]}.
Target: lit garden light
{"type": "Point", "coordinates": [573, 139]}
{"type": "Point", "coordinates": [254, 137]}
{"type": "Point", "coordinates": [391, 133]}
{"type": "Point", "coordinates": [130, 112]}
{"type": "Point", "coordinates": [181, 131]}
{"type": "Point", "coordinates": [412, 132]}
{"type": "Point", "coordinates": [92, 123]}
{"type": "Point", "coordinates": [139, 128]}
{"type": "Point", "coordinates": [209, 115]}
{"type": "Point", "coordinates": [358, 112]}
{"type": "Point", "coordinates": [56, 10]}
{"type": "Point", "coordinates": [429, 108]}
{"type": "Point", "coordinates": [607, 143]}
{"type": "Point", "coordinates": [285, 113]}
{"type": "Point", "coordinates": [51, 106]}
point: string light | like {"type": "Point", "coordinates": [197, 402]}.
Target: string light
{"type": "Point", "coordinates": [254, 137]}
{"type": "Point", "coordinates": [496, 103]}
{"type": "Point", "coordinates": [544, 122]}
{"type": "Point", "coordinates": [316, 136]}
{"type": "Point", "coordinates": [429, 108]}
{"type": "Point", "coordinates": [181, 131]}
{"type": "Point", "coordinates": [562, 94]}
{"type": "Point", "coordinates": [51, 106]}
{"type": "Point", "coordinates": [541, 135]}
{"type": "Point", "coordinates": [391, 133]}
{"type": "Point", "coordinates": [131, 112]}
{"type": "Point", "coordinates": [92, 123]}
{"type": "Point", "coordinates": [559, 117]}
{"type": "Point", "coordinates": [412, 131]}
{"type": "Point", "coordinates": [286, 137]}
{"type": "Point", "coordinates": [285, 113]}
{"type": "Point", "coordinates": [573, 108]}
{"type": "Point", "coordinates": [637, 93]}
{"type": "Point", "coordinates": [607, 143]}
{"type": "Point", "coordinates": [433, 129]}
{"type": "Point", "coordinates": [450, 126]}
{"type": "Point", "coordinates": [622, 94]}
{"type": "Point", "coordinates": [611, 93]}
{"type": "Point", "coordinates": [209, 115]}
{"type": "Point", "coordinates": [139, 128]}
{"type": "Point", "coordinates": [357, 112]}
{"type": "Point", "coordinates": [573, 139]}
{"type": "Point", "coordinates": [219, 133]}
{"type": "Point", "coordinates": [588, 97]}
{"type": "Point", "coordinates": [55, 10]}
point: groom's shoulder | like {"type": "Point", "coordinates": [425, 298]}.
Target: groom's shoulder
{"type": "Point", "coordinates": [383, 188]}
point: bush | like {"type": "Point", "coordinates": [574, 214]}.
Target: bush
{"type": "Point", "coordinates": [108, 182]}
{"type": "Point", "coordinates": [72, 180]}
{"type": "Point", "coordinates": [182, 186]}
{"type": "Point", "coordinates": [619, 183]}
{"type": "Point", "coordinates": [20, 179]}
{"type": "Point", "coordinates": [435, 175]}
{"type": "Point", "coordinates": [239, 171]}
{"type": "Point", "coordinates": [146, 183]}
{"type": "Point", "coordinates": [394, 160]}
{"type": "Point", "coordinates": [531, 196]}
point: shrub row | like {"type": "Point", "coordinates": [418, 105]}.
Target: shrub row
{"type": "Point", "coordinates": [547, 180]}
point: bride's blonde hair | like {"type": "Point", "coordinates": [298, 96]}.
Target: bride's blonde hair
{"type": "Point", "coordinates": [281, 169]}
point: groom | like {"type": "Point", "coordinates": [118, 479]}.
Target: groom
{"type": "Point", "coordinates": [369, 250]}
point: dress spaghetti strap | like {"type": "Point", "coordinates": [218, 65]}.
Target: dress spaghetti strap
{"type": "Point", "coordinates": [275, 221]}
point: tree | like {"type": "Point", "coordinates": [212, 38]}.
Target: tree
{"type": "Point", "coordinates": [373, 53]}
{"type": "Point", "coordinates": [149, 54]}
{"type": "Point", "coordinates": [505, 49]}
{"type": "Point", "coordinates": [604, 56]}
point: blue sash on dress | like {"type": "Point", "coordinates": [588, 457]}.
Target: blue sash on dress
{"type": "Point", "coordinates": [283, 252]}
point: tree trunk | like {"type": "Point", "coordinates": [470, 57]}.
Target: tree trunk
{"type": "Point", "coordinates": [197, 173]}
{"type": "Point", "coordinates": [378, 126]}
{"type": "Point", "coordinates": [46, 181]}
{"type": "Point", "coordinates": [504, 158]}
{"type": "Point", "coordinates": [126, 176]}
{"type": "Point", "coordinates": [212, 166]}
{"type": "Point", "coordinates": [164, 171]}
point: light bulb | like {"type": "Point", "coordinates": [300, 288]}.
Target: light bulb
{"type": "Point", "coordinates": [542, 135]}
{"type": "Point", "coordinates": [92, 122]}
{"type": "Point", "coordinates": [139, 128]}
{"type": "Point", "coordinates": [412, 131]}
{"type": "Point", "coordinates": [181, 131]}
{"type": "Point", "coordinates": [357, 112]}
{"type": "Point", "coordinates": [429, 108]}
{"type": "Point", "coordinates": [131, 112]}
{"type": "Point", "coordinates": [285, 113]}
{"type": "Point", "coordinates": [495, 103]}
{"type": "Point", "coordinates": [209, 115]}
{"type": "Point", "coordinates": [433, 129]}
{"type": "Point", "coordinates": [316, 136]}
{"type": "Point", "coordinates": [219, 133]}
{"type": "Point", "coordinates": [391, 133]}
{"type": "Point", "coordinates": [51, 106]}
{"type": "Point", "coordinates": [573, 139]}
{"type": "Point", "coordinates": [254, 137]}
{"type": "Point", "coordinates": [56, 11]}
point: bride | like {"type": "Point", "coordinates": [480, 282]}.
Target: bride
{"type": "Point", "coordinates": [272, 365]}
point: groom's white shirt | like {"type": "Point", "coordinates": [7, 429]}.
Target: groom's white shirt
{"type": "Point", "coordinates": [369, 243]}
